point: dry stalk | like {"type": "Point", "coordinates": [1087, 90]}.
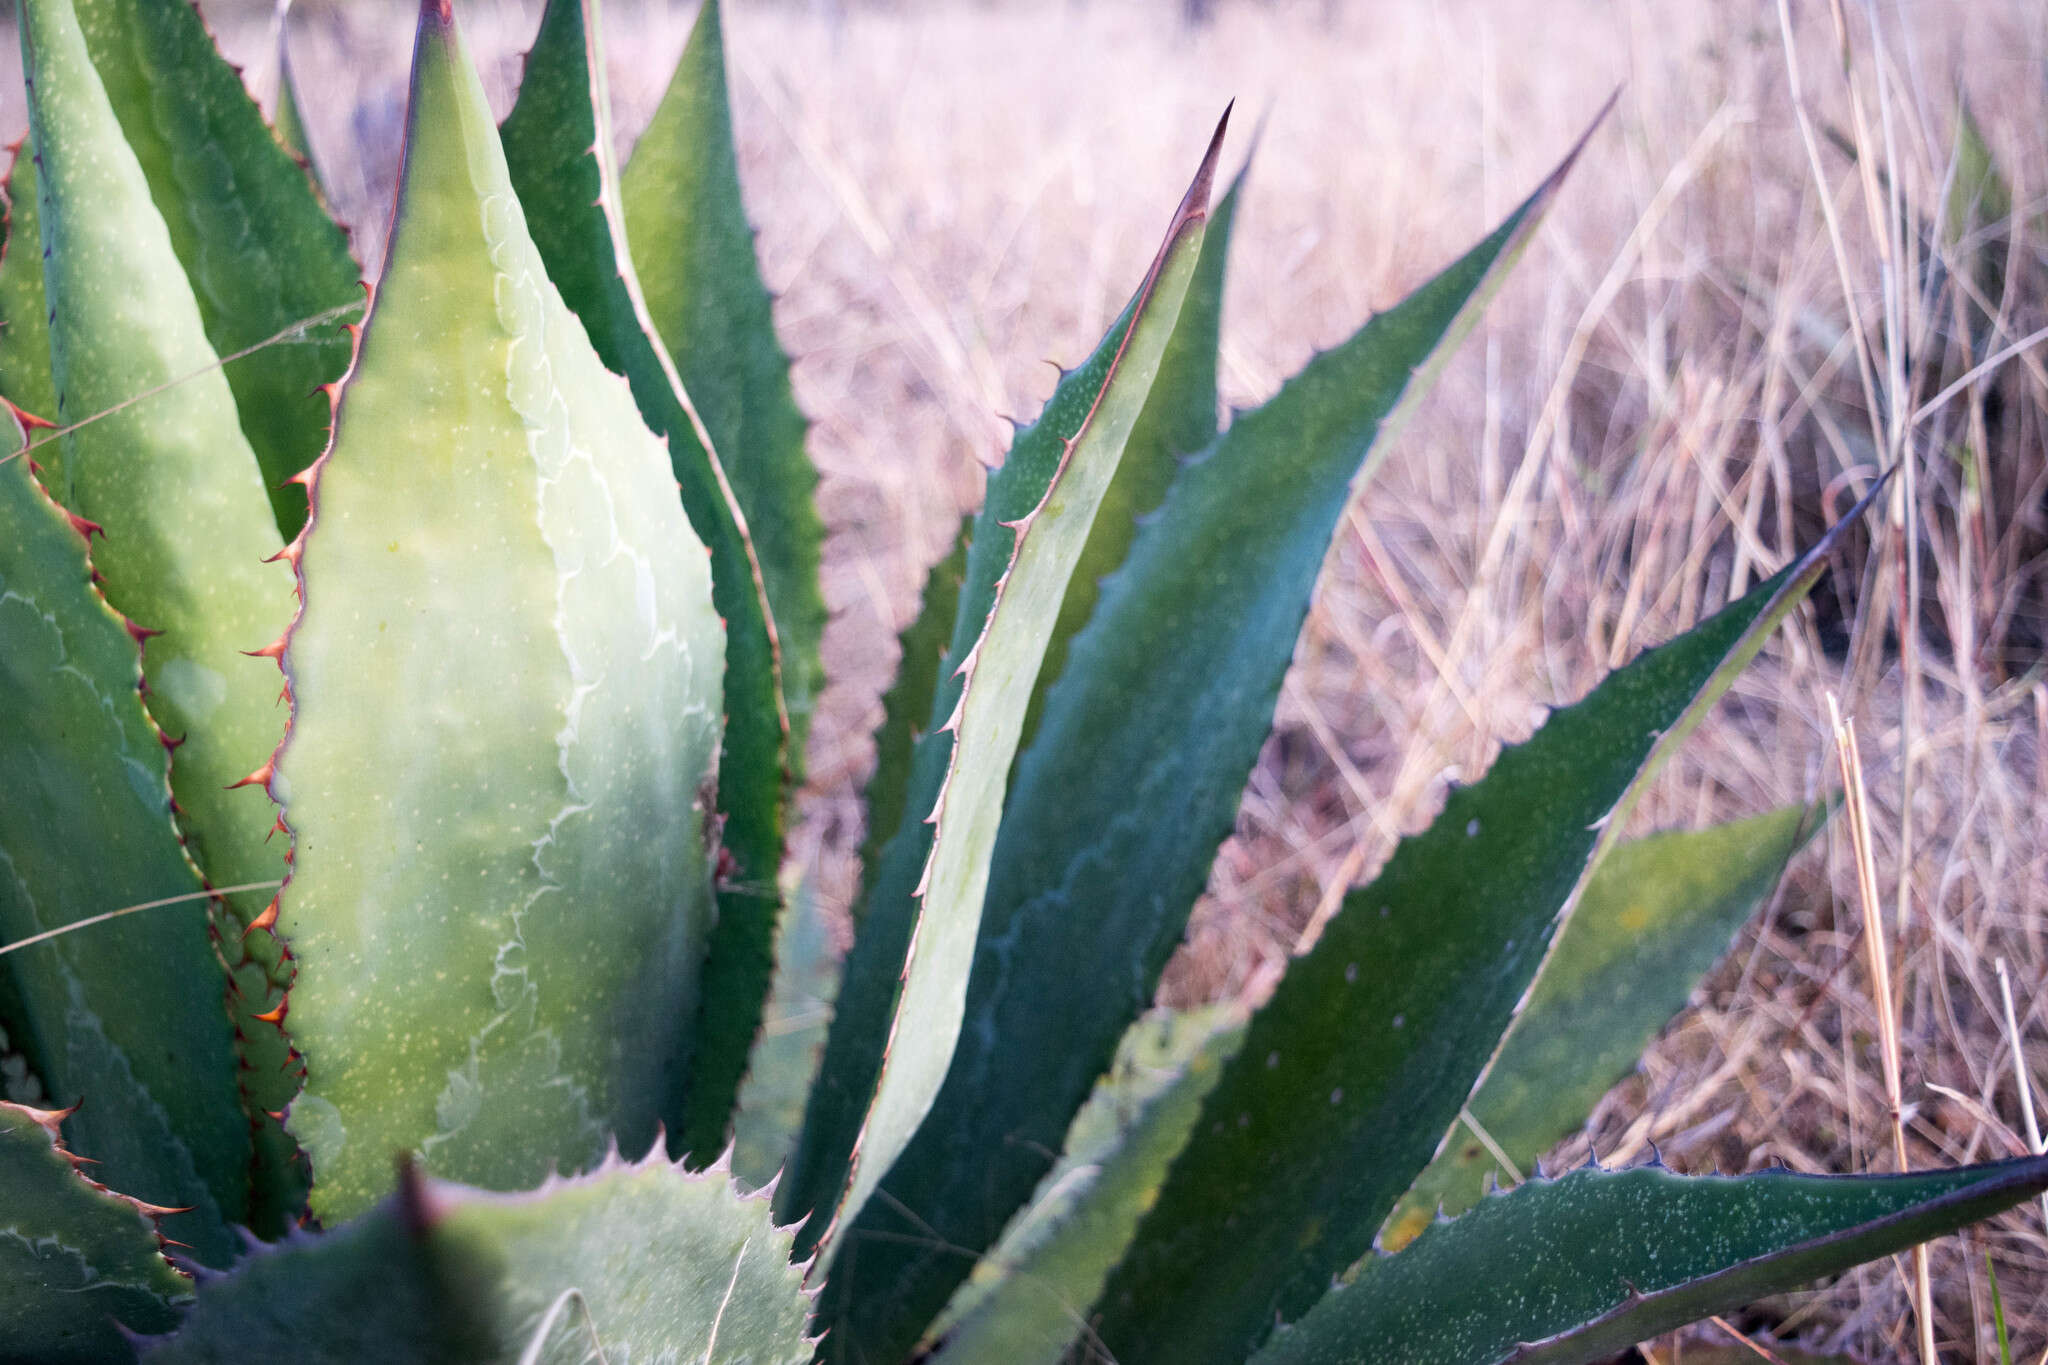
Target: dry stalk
{"type": "Point", "coordinates": [1856, 809]}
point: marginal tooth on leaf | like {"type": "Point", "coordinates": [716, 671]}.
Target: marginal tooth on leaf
{"type": "Point", "coordinates": [275, 1016]}
{"type": "Point", "coordinates": [260, 778]}
{"type": "Point", "coordinates": [269, 916]}
{"type": "Point", "coordinates": [85, 528]}
{"type": "Point", "coordinates": [160, 1211]}
{"type": "Point", "coordinates": [274, 650]}
{"type": "Point", "coordinates": [28, 419]}
{"type": "Point", "coordinates": [139, 633]}
{"type": "Point", "coordinates": [50, 1120]}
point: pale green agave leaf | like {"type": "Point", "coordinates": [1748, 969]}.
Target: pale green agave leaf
{"type": "Point", "coordinates": [558, 144]}
{"type": "Point", "coordinates": [1658, 912]}
{"type": "Point", "coordinates": [125, 1018]}
{"type": "Point", "coordinates": [1352, 1073]}
{"type": "Point", "coordinates": [695, 251]}
{"type": "Point", "coordinates": [1115, 816]}
{"type": "Point", "coordinates": [1025, 1303]}
{"type": "Point", "coordinates": [505, 723]}
{"type": "Point", "coordinates": [165, 470]}
{"type": "Point", "coordinates": [632, 1262]}
{"type": "Point", "coordinates": [840, 1098]}
{"type": "Point", "coordinates": [1579, 1268]}
{"type": "Point", "coordinates": [288, 121]}
{"type": "Point", "coordinates": [244, 221]}
{"type": "Point", "coordinates": [993, 680]}
{"type": "Point", "coordinates": [78, 1263]}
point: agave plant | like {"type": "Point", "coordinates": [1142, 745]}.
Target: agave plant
{"type": "Point", "coordinates": [530, 538]}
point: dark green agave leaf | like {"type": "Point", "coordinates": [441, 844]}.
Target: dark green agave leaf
{"type": "Point", "coordinates": [1579, 1268]}
{"type": "Point", "coordinates": [1352, 1073]}
{"type": "Point", "coordinates": [695, 252]}
{"type": "Point", "coordinates": [1657, 914]}
{"type": "Point", "coordinates": [558, 144]}
{"type": "Point", "coordinates": [1117, 812]}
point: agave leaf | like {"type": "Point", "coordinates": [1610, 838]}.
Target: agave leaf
{"type": "Point", "coordinates": [24, 314]}
{"type": "Point", "coordinates": [79, 1263]}
{"type": "Point", "coordinates": [1657, 914]}
{"type": "Point", "coordinates": [504, 725]}
{"type": "Point", "coordinates": [1115, 816]}
{"type": "Point", "coordinates": [1053, 1259]}
{"type": "Point", "coordinates": [1352, 1073]}
{"type": "Point", "coordinates": [785, 1057]}
{"type": "Point", "coordinates": [1178, 423]}
{"type": "Point", "coordinates": [628, 1263]}
{"type": "Point", "coordinates": [558, 145]}
{"type": "Point", "coordinates": [1032, 529]}
{"type": "Point", "coordinates": [165, 470]}
{"type": "Point", "coordinates": [922, 648]}
{"type": "Point", "coordinates": [126, 1019]}
{"type": "Point", "coordinates": [1581, 1267]}
{"type": "Point", "coordinates": [245, 222]}
{"type": "Point", "coordinates": [695, 251]}
{"type": "Point", "coordinates": [288, 122]}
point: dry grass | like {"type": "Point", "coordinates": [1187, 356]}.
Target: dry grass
{"type": "Point", "coordinates": [1722, 334]}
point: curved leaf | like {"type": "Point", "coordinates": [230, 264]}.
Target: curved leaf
{"type": "Point", "coordinates": [245, 222]}
{"type": "Point", "coordinates": [628, 1263]}
{"type": "Point", "coordinates": [1576, 1269]}
{"type": "Point", "coordinates": [504, 724]}
{"type": "Point", "coordinates": [1116, 815]}
{"type": "Point", "coordinates": [695, 251]}
{"type": "Point", "coordinates": [558, 146]}
{"type": "Point", "coordinates": [1030, 533]}
{"type": "Point", "coordinates": [126, 1019]}
{"type": "Point", "coordinates": [1657, 914]}
{"type": "Point", "coordinates": [24, 313]}
{"type": "Point", "coordinates": [78, 1263]}
{"type": "Point", "coordinates": [1352, 1073]}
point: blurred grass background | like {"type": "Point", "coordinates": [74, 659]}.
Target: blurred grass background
{"type": "Point", "coordinates": [1778, 268]}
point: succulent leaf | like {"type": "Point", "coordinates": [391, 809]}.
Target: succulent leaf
{"type": "Point", "coordinates": [24, 314]}
{"type": "Point", "coordinates": [78, 1263]}
{"type": "Point", "coordinates": [1581, 1267]}
{"type": "Point", "coordinates": [1658, 912]}
{"type": "Point", "coordinates": [1352, 1073]}
{"type": "Point", "coordinates": [287, 121]}
{"type": "Point", "coordinates": [1033, 527]}
{"type": "Point", "coordinates": [1178, 423]}
{"type": "Point", "coordinates": [558, 144]}
{"type": "Point", "coordinates": [695, 251]}
{"type": "Point", "coordinates": [126, 1019]}
{"type": "Point", "coordinates": [785, 1057]}
{"type": "Point", "coordinates": [1054, 1257]}
{"type": "Point", "coordinates": [628, 1263]}
{"type": "Point", "coordinates": [245, 222]}
{"type": "Point", "coordinates": [1116, 816]}
{"type": "Point", "coordinates": [164, 470]}
{"type": "Point", "coordinates": [921, 649]}
{"type": "Point", "coordinates": [505, 723]}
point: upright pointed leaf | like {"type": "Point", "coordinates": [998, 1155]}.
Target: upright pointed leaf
{"type": "Point", "coordinates": [921, 650]}
{"type": "Point", "coordinates": [245, 223]}
{"type": "Point", "coordinates": [695, 252]}
{"type": "Point", "coordinates": [505, 723]}
{"type": "Point", "coordinates": [1116, 816]}
{"type": "Point", "coordinates": [785, 1056]}
{"type": "Point", "coordinates": [125, 1019]}
{"type": "Point", "coordinates": [164, 469]}
{"type": "Point", "coordinates": [1352, 1073]}
{"type": "Point", "coordinates": [1030, 534]}
{"type": "Point", "coordinates": [1657, 914]}
{"type": "Point", "coordinates": [1577, 1269]}
{"type": "Point", "coordinates": [1178, 423]}
{"type": "Point", "coordinates": [288, 122]}
{"type": "Point", "coordinates": [78, 1263]}
{"type": "Point", "coordinates": [629, 1263]}
{"type": "Point", "coordinates": [558, 143]}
